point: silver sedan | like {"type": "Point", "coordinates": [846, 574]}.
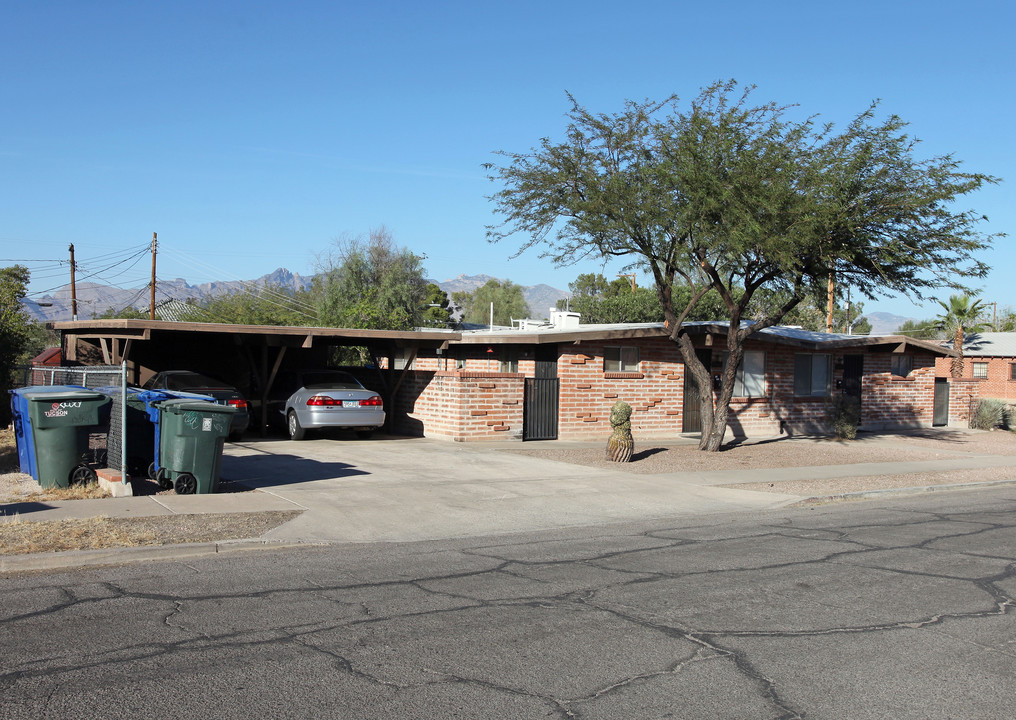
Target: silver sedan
{"type": "Point", "coordinates": [333, 399]}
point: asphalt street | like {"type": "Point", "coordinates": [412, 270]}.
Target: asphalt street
{"type": "Point", "coordinates": [897, 608]}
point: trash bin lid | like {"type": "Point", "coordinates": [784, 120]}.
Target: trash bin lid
{"type": "Point", "coordinates": [182, 406]}
{"type": "Point", "coordinates": [57, 392]}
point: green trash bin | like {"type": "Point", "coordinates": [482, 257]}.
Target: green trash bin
{"type": "Point", "coordinates": [62, 419]}
{"type": "Point", "coordinates": [191, 437]}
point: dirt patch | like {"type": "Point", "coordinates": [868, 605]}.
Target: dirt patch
{"type": "Point", "coordinates": [781, 453]}
{"type": "Point", "coordinates": [21, 536]}
{"type": "Point", "coordinates": [917, 445]}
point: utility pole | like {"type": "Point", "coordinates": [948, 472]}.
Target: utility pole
{"type": "Point", "coordinates": [151, 313]}
{"type": "Point", "coordinates": [832, 295]}
{"type": "Point", "coordinates": [632, 276]}
{"type": "Point", "coordinates": [74, 289]}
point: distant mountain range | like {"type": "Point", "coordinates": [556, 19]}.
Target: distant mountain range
{"type": "Point", "coordinates": [883, 323]}
{"type": "Point", "coordinates": [94, 299]}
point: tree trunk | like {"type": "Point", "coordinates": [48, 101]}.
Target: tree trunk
{"type": "Point", "coordinates": [714, 416]}
{"type": "Point", "coordinates": [718, 427]}
{"type": "Point", "coordinates": [957, 362]}
{"type": "Point", "coordinates": [700, 373]}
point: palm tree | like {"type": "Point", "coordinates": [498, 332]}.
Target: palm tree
{"type": "Point", "coordinates": [962, 313]}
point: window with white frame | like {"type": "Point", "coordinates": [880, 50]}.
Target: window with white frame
{"type": "Point", "coordinates": [751, 374]}
{"type": "Point", "coordinates": [812, 374]}
{"type": "Point", "coordinates": [901, 365]}
{"type": "Point", "coordinates": [980, 370]}
{"type": "Point", "coordinates": [620, 359]}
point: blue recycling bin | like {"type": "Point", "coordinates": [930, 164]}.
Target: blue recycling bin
{"type": "Point", "coordinates": [23, 432]}
{"type": "Point", "coordinates": [55, 422]}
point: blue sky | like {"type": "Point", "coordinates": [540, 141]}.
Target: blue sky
{"type": "Point", "coordinates": [251, 135]}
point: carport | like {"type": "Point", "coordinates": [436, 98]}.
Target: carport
{"type": "Point", "coordinates": [247, 356]}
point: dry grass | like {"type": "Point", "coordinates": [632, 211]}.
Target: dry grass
{"type": "Point", "coordinates": [8, 451]}
{"type": "Point", "coordinates": [21, 536]}
{"type": "Point", "coordinates": [81, 491]}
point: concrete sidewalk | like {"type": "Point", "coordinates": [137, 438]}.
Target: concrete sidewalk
{"type": "Point", "coordinates": [417, 489]}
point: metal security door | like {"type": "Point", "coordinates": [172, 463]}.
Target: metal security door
{"type": "Point", "coordinates": [940, 414]}
{"type": "Point", "coordinates": [540, 403]}
{"type": "Point", "coordinates": [853, 369]}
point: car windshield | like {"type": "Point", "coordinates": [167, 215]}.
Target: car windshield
{"type": "Point", "coordinates": [183, 381]}
{"type": "Point", "coordinates": [333, 379]}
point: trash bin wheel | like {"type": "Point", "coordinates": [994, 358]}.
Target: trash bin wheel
{"type": "Point", "coordinates": [161, 476]}
{"type": "Point", "coordinates": [186, 484]}
{"type": "Point", "coordinates": [83, 474]}
{"type": "Point", "coordinates": [151, 470]}
{"type": "Point", "coordinates": [296, 431]}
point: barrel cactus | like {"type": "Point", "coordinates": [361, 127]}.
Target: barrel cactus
{"type": "Point", "coordinates": [620, 444]}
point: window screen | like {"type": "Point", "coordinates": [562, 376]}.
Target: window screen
{"type": "Point", "coordinates": [812, 374]}
{"type": "Point", "coordinates": [620, 359]}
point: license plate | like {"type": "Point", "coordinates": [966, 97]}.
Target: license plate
{"type": "Point", "coordinates": [350, 403]}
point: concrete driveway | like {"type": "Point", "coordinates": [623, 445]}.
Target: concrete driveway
{"type": "Point", "coordinates": [402, 489]}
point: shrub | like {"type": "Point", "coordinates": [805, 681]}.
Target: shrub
{"type": "Point", "coordinates": [990, 414]}
{"type": "Point", "coordinates": [845, 415]}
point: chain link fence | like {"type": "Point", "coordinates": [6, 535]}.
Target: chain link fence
{"type": "Point", "coordinates": [90, 376]}
{"type": "Point", "coordinates": [106, 448]}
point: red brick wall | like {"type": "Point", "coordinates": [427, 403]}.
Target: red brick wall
{"type": "Point", "coordinates": [460, 405]}
{"type": "Point", "coordinates": [890, 401]}
{"type": "Point", "coordinates": [963, 393]}
{"type": "Point", "coordinates": [655, 392]}
{"type": "Point", "coordinates": [474, 404]}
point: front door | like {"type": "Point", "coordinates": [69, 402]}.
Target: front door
{"type": "Point", "coordinates": [853, 369]}
{"type": "Point", "coordinates": [540, 400]}
{"type": "Point", "coordinates": [940, 414]}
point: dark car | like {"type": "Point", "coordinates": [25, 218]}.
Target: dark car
{"type": "Point", "coordinates": [322, 399]}
{"type": "Point", "coordinates": [192, 382]}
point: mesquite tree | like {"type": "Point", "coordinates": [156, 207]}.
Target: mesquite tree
{"type": "Point", "coordinates": [736, 198]}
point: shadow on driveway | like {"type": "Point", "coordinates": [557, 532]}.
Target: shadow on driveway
{"type": "Point", "coordinates": [259, 471]}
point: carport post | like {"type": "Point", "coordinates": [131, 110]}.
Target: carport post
{"type": "Point", "coordinates": [123, 422]}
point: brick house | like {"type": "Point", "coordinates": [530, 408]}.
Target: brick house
{"type": "Point", "coordinates": [560, 380]}
{"type": "Point", "coordinates": [989, 364]}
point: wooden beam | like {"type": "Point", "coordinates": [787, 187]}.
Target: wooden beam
{"type": "Point", "coordinates": [266, 386]}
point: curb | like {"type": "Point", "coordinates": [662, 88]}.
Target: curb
{"type": "Point", "coordinates": [914, 490]}
{"type": "Point", "coordinates": [123, 555]}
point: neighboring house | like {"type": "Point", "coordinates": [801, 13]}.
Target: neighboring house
{"type": "Point", "coordinates": [990, 361]}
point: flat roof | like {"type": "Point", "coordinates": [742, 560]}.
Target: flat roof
{"type": "Point", "coordinates": [310, 336]}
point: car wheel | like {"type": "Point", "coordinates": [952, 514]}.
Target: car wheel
{"type": "Point", "coordinates": [296, 431]}
{"type": "Point", "coordinates": [364, 434]}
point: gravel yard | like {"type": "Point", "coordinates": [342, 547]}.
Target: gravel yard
{"type": "Point", "coordinates": [917, 445]}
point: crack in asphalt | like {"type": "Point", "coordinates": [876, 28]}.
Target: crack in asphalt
{"type": "Point", "coordinates": [710, 644]}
